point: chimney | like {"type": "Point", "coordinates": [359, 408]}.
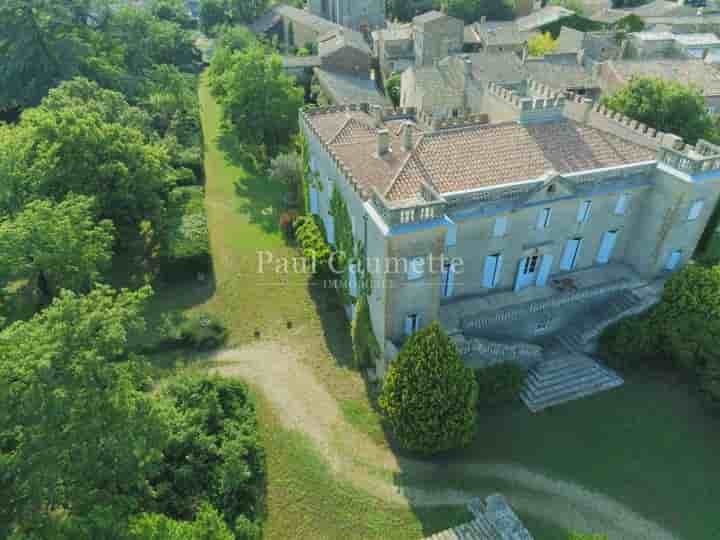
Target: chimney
{"type": "Point", "coordinates": [383, 142]}
{"type": "Point", "coordinates": [407, 137]}
{"type": "Point", "coordinates": [467, 64]}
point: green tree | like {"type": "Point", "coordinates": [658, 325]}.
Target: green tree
{"type": "Point", "coordinates": [76, 150]}
{"type": "Point", "coordinates": [402, 10]}
{"type": "Point", "coordinates": [214, 13]}
{"type": "Point", "coordinates": [429, 396]}
{"type": "Point", "coordinates": [668, 106]}
{"type": "Point", "coordinates": [58, 246]}
{"type": "Point", "coordinates": [472, 10]}
{"type": "Point", "coordinates": [78, 437]}
{"type": "Point", "coordinates": [393, 87]}
{"type": "Point", "coordinates": [586, 536]}
{"type": "Point", "coordinates": [208, 525]}
{"type": "Point", "coordinates": [260, 102]}
{"type": "Point", "coordinates": [40, 44]}
{"type": "Point", "coordinates": [172, 10]}
{"type": "Point", "coordinates": [541, 44]}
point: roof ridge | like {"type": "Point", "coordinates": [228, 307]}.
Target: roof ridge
{"type": "Point", "coordinates": [407, 159]}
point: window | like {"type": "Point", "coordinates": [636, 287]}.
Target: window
{"type": "Point", "coordinates": [695, 210]}
{"type": "Point", "coordinates": [530, 264]}
{"type": "Point", "coordinates": [412, 324]}
{"type": "Point", "coordinates": [448, 280]}
{"type": "Point", "coordinates": [571, 253]}
{"type": "Point", "coordinates": [491, 273]}
{"type": "Point", "coordinates": [584, 212]}
{"type": "Point", "coordinates": [622, 204]}
{"type": "Point", "coordinates": [606, 247]}
{"type": "Point", "coordinates": [673, 260]}
{"type": "Point", "coordinates": [500, 227]}
{"type": "Point", "coordinates": [415, 268]}
{"type": "Point", "coordinates": [314, 201]}
{"type": "Point", "coordinates": [543, 220]}
{"type": "Point", "coordinates": [313, 164]}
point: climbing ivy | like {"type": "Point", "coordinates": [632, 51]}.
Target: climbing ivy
{"type": "Point", "coordinates": [308, 177]}
{"type": "Point", "coordinates": [365, 346]}
{"type": "Point", "coordinates": [344, 243]}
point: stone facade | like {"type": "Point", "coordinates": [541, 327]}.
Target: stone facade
{"type": "Point", "coordinates": [361, 15]}
{"type": "Point", "coordinates": [540, 201]}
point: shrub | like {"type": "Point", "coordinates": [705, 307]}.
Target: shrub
{"type": "Point", "coordinates": [631, 342]}
{"type": "Point", "coordinates": [214, 452]}
{"type": "Point", "coordinates": [501, 383]}
{"type": "Point", "coordinates": [203, 332]}
{"type": "Point", "coordinates": [365, 346]}
{"type": "Point", "coordinates": [586, 536]}
{"type": "Point", "coordinates": [710, 384]}
{"type": "Point", "coordinates": [186, 246]}
{"type": "Point", "coordinates": [429, 396]}
{"type": "Point", "coordinates": [311, 237]}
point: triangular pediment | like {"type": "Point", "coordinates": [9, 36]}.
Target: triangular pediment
{"type": "Point", "coordinates": [554, 187]}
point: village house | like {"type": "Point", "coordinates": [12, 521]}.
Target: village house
{"type": "Point", "coordinates": [361, 15]}
{"type": "Point", "coordinates": [522, 236]}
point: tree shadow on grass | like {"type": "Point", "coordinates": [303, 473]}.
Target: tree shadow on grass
{"type": "Point", "coordinates": [262, 200]}
{"type": "Point", "coordinates": [336, 327]}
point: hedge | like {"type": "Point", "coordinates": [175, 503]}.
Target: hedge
{"type": "Point", "coordinates": [500, 383]}
{"type": "Point", "coordinates": [311, 237]}
{"type": "Point", "coordinates": [186, 246]}
{"type": "Point", "coordinates": [365, 346]}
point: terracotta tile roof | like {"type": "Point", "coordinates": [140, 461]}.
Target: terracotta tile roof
{"type": "Point", "coordinates": [471, 157]}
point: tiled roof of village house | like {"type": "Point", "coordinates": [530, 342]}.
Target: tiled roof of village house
{"type": "Point", "coordinates": [471, 157]}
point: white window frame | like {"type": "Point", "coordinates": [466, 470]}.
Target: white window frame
{"type": "Point", "coordinates": [695, 210]}
{"type": "Point", "coordinates": [584, 212]}
{"type": "Point", "coordinates": [622, 204]}
{"type": "Point", "coordinates": [415, 268]}
{"type": "Point", "coordinates": [500, 227]}
{"type": "Point", "coordinates": [543, 219]}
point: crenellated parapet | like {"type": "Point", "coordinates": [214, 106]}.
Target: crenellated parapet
{"type": "Point", "coordinates": [540, 104]}
{"type": "Point", "coordinates": [435, 123]}
{"type": "Point", "coordinates": [698, 160]}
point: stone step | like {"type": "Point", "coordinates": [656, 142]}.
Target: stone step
{"type": "Point", "coordinates": [566, 379]}
{"type": "Point", "coordinates": [540, 394]}
{"type": "Point", "coordinates": [542, 385]}
{"type": "Point", "coordinates": [570, 395]}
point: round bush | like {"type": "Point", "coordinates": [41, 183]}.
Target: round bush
{"type": "Point", "coordinates": [429, 396]}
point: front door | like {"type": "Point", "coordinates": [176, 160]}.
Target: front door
{"type": "Point", "coordinates": [527, 271]}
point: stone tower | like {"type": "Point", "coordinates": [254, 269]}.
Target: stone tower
{"type": "Point", "coordinates": [360, 15]}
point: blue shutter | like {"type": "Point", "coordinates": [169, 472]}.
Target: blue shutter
{"type": "Point", "coordinates": [544, 273]}
{"type": "Point", "coordinates": [606, 247]}
{"type": "Point", "coordinates": [451, 235]}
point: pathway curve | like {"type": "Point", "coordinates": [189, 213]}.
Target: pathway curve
{"type": "Point", "coordinates": [305, 405]}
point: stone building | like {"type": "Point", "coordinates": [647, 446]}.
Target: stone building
{"type": "Point", "coordinates": [361, 15]}
{"type": "Point", "coordinates": [517, 234]}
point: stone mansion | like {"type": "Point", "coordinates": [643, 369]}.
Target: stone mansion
{"type": "Point", "coordinates": [543, 217]}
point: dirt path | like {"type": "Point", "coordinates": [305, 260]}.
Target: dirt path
{"type": "Point", "coordinates": [305, 405]}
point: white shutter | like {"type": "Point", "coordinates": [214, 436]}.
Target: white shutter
{"type": "Point", "coordinates": [673, 260]}
{"type": "Point", "coordinates": [606, 246]}
{"type": "Point", "coordinates": [500, 226]}
{"type": "Point", "coordinates": [569, 256]}
{"type": "Point", "coordinates": [695, 210]}
{"type": "Point", "coordinates": [451, 235]}
{"type": "Point", "coordinates": [622, 204]}
{"type": "Point", "coordinates": [584, 211]}
{"type": "Point", "coordinates": [352, 279]}
{"type": "Point", "coordinates": [314, 205]}
{"type": "Point", "coordinates": [490, 271]}
{"type": "Point", "coordinates": [330, 230]}
{"type": "Point", "coordinates": [544, 273]}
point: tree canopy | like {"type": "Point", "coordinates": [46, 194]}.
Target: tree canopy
{"type": "Point", "coordinates": [260, 102]}
{"type": "Point", "coordinates": [541, 44]}
{"type": "Point", "coordinates": [669, 106]}
{"type": "Point", "coordinates": [60, 246]}
{"type": "Point", "coordinates": [472, 10]}
{"type": "Point", "coordinates": [214, 13]}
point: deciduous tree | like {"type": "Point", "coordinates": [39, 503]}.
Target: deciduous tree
{"type": "Point", "coordinates": [59, 246]}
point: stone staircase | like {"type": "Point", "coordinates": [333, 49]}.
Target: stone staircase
{"type": "Point", "coordinates": [618, 305]}
{"type": "Point", "coordinates": [564, 378]}
{"type": "Point", "coordinates": [493, 519]}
